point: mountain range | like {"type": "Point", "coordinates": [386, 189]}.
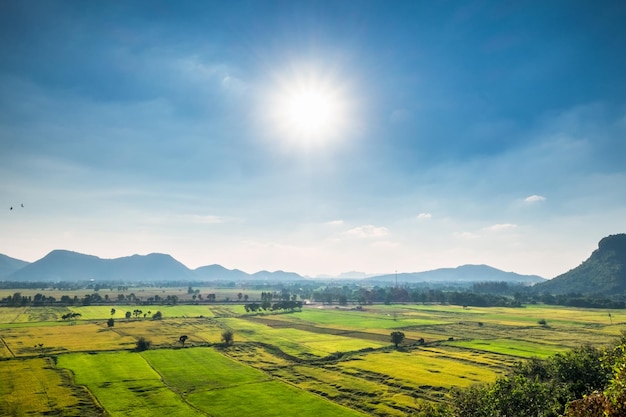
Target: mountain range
{"type": "Point", "coordinates": [463, 273]}
{"type": "Point", "coordinates": [63, 265]}
{"type": "Point", "coordinates": [603, 273]}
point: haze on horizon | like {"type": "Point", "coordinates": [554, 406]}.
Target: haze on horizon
{"type": "Point", "coordinates": [314, 136]}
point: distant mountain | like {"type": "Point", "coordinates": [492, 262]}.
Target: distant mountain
{"type": "Point", "coordinates": [9, 265]}
{"type": "Point", "coordinates": [603, 273]}
{"type": "Point", "coordinates": [63, 265]}
{"type": "Point", "coordinates": [464, 273]}
{"type": "Point", "coordinates": [276, 276]}
{"type": "Point", "coordinates": [218, 272]}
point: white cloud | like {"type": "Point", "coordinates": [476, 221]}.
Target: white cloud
{"type": "Point", "coordinates": [500, 227]}
{"type": "Point", "coordinates": [385, 244]}
{"type": "Point", "coordinates": [367, 231]}
{"type": "Point", "coordinates": [466, 235]}
{"type": "Point", "coordinates": [531, 199]}
{"type": "Point", "coordinates": [209, 219]}
{"type": "Point", "coordinates": [424, 216]}
{"type": "Point", "coordinates": [335, 223]}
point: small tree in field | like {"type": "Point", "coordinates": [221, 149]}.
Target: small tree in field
{"type": "Point", "coordinates": [397, 338]}
{"type": "Point", "coordinates": [157, 316]}
{"type": "Point", "coordinates": [143, 344]}
{"type": "Point", "coordinates": [228, 337]}
{"type": "Point", "coordinates": [111, 322]}
{"type": "Point", "coordinates": [183, 339]}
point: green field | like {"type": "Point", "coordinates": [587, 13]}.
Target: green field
{"type": "Point", "coordinates": [319, 361]}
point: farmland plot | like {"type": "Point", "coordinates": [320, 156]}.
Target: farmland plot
{"type": "Point", "coordinates": [28, 341]}
{"type": "Point", "coordinates": [188, 382]}
{"type": "Point", "coordinates": [34, 386]}
{"type": "Point", "coordinates": [125, 384]}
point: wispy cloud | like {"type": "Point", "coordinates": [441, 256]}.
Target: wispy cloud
{"type": "Point", "coordinates": [501, 227]}
{"type": "Point", "coordinates": [335, 223]}
{"type": "Point", "coordinates": [367, 231]}
{"type": "Point", "coordinates": [532, 199]}
{"type": "Point", "coordinates": [466, 235]}
{"type": "Point", "coordinates": [385, 244]}
{"type": "Point", "coordinates": [424, 216]}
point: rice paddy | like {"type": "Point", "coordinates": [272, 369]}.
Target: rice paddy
{"type": "Point", "coordinates": [319, 361]}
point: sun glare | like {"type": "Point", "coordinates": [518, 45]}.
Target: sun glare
{"type": "Point", "coordinates": [308, 112]}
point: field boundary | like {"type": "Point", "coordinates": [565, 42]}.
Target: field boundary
{"type": "Point", "coordinates": [8, 348]}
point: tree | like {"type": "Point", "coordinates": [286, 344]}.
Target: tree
{"type": "Point", "coordinates": [127, 315]}
{"type": "Point", "coordinates": [70, 316]}
{"type": "Point", "coordinates": [143, 344]}
{"type": "Point", "coordinates": [397, 338]}
{"type": "Point", "coordinates": [157, 316]}
{"type": "Point", "coordinates": [183, 339]}
{"type": "Point", "coordinates": [111, 322]}
{"type": "Point", "coordinates": [542, 388]}
{"type": "Point", "coordinates": [228, 337]}
{"type": "Point", "coordinates": [112, 311]}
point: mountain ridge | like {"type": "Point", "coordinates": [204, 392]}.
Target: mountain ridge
{"type": "Point", "coordinates": [462, 273]}
{"type": "Point", "coordinates": [65, 265]}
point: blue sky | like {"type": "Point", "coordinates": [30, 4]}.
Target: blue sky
{"type": "Point", "coordinates": [463, 132]}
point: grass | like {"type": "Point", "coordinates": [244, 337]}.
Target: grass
{"type": "Point", "coordinates": [421, 368]}
{"type": "Point", "coordinates": [125, 384]}
{"type": "Point", "coordinates": [517, 348]}
{"type": "Point", "coordinates": [367, 319]}
{"type": "Point", "coordinates": [26, 341]}
{"type": "Point", "coordinates": [187, 382]}
{"type": "Point", "coordinates": [201, 369]}
{"type": "Point", "coordinates": [271, 398]}
{"type": "Point", "coordinates": [463, 346]}
{"type": "Point", "coordinates": [35, 387]}
{"type": "Point", "coordinates": [298, 342]}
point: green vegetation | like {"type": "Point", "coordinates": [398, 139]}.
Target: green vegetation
{"type": "Point", "coordinates": [586, 381]}
{"type": "Point", "coordinates": [321, 360]}
{"type": "Point", "coordinates": [125, 384]}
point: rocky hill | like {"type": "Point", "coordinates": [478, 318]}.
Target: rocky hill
{"type": "Point", "coordinates": [603, 273]}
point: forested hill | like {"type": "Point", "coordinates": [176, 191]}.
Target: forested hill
{"type": "Point", "coordinates": [603, 273]}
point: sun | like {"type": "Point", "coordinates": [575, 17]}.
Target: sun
{"type": "Point", "coordinates": [308, 111]}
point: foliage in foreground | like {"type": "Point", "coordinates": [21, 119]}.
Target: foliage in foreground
{"type": "Point", "coordinates": [586, 381]}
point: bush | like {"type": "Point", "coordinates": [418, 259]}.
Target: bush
{"type": "Point", "coordinates": [228, 337]}
{"type": "Point", "coordinates": [143, 344]}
